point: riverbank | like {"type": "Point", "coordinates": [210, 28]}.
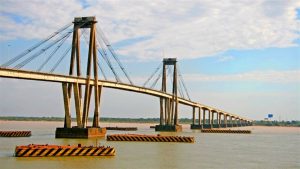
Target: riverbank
{"type": "Point", "coordinates": [293, 123]}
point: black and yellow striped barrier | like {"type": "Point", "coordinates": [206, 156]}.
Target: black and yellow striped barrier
{"type": "Point", "coordinates": [122, 128]}
{"type": "Point", "coordinates": [15, 133]}
{"type": "Point", "coordinates": [226, 131]}
{"type": "Point", "coordinates": [149, 138]}
{"type": "Point", "coordinates": [58, 151]}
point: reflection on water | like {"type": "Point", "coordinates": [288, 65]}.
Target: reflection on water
{"type": "Point", "coordinates": [266, 147]}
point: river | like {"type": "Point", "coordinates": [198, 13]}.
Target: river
{"type": "Point", "coordinates": [265, 148]}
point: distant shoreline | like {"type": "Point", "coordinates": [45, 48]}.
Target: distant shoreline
{"type": "Point", "coordinates": [143, 120]}
{"type": "Point", "coordinates": [103, 119]}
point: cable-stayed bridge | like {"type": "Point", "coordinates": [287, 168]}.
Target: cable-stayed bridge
{"type": "Point", "coordinates": [46, 60]}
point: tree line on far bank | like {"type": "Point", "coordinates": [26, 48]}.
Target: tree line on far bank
{"type": "Point", "coordinates": [294, 123]}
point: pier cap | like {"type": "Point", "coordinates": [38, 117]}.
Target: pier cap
{"type": "Point", "coordinates": [85, 22]}
{"type": "Point", "coordinates": [169, 61]}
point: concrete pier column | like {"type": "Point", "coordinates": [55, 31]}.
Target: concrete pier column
{"type": "Point", "coordinates": [212, 119]}
{"type": "Point", "coordinates": [239, 122]}
{"type": "Point", "coordinates": [219, 119]}
{"type": "Point", "coordinates": [194, 114]}
{"type": "Point", "coordinates": [196, 125]}
{"type": "Point", "coordinates": [206, 122]}
{"type": "Point", "coordinates": [229, 124]}
{"type": "Point", "coordinates": [77, 105]}
{"type": "Point", "coordinates": [215, 122]}
{"type": "Point", "coordinates": [209, 118]}
{"type": "Point", "coordinates": [225, 120]}
{"type": "Point", "coordinates": [199, 118]}
{"type": "Point", "coordinates": [203, 120]}
{"type": "Point", "coordinates": [161, 107]}
{"type": "Point", "coordinates": [235, 122]}
{"type": "Point", "coordinates": [249, 123]}
{"type": "Point", "coordinates": [66, 97]}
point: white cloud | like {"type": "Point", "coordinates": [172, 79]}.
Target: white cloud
{"type": "Point", "coordinates": [279, 77]}
{"type": "Point", "coordinates": [255, 76]}
{"type": "Point", "coordinates": [183, 29]}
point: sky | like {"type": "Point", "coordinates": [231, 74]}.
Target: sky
{"type": "Point", "coordinates": [239, 56]}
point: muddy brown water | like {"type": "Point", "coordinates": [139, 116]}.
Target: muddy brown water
{"type": "Point", "coordinates": [265, 148]}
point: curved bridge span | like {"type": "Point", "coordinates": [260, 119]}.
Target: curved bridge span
{"type": "Point", "coordinates": [48, 77]}
{"type": "Point", "coordinates": [74, 82]}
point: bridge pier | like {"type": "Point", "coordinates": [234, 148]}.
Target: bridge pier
{"type": "Point", "coordinates": [218, 120]}
{"type": "Point", "coordinates": [206, 122]}
{"type": "Point", "coordinates": [243, 123]}
{"type": "Point", "coordinates": [233, 121]}
{"type": "Point", "coordinates": [215, 123]}
{"type": "Point", "coordinates": [82, 108]}
{"type": "Point", "coordinates": [228, 121]}
{"type": "Point", "coordinates": [238, 121]}
{"type": "Point", "coordinates": [222, 122]}
{"type": "Point", "coordinates": [169, 106]}
{"type": "Point", "coordinates": [212, 118]}
{"type": "Point", "coordinates": [195, 125]}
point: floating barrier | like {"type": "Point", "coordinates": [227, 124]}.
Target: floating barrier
{"type": "Point", "coordinates": [122, 128]}
{"type": "Point", "coordinates": [226, 131]}
{"type": "Point", "coordinates": [35, 150]}
{"type": "Point", "coordinates": [149, 138]}
{"type": "Point", "coordinates": [15, 133]}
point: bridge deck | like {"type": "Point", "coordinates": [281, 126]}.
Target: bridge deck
{"type": "Point", "coordinates": [39, 76]}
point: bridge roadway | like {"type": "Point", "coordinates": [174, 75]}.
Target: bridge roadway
{"type": "Point", "coordinates": [40, 76]}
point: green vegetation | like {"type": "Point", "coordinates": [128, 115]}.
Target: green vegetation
{"type": "Point", "coordinates": [103, 119]}
{"type": "Point", "coordinates": [292, 123]}
{"type": "Point", "coordinates": [14, 118]}
{"type": "Point", "coordinates": [146, 120]}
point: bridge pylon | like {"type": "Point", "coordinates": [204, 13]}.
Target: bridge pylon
{"type": "Point", "coordinates": [82, 108]}
{"type": "Point", "coordinates": [169, 106]}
